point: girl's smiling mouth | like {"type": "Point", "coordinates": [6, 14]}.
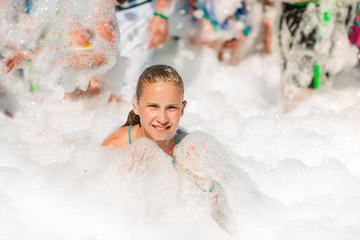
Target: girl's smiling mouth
{"type": "Point", "coordinates": [160, 128]}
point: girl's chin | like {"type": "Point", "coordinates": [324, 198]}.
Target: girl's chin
{"type": "Point", "coordinates": [161, 137]}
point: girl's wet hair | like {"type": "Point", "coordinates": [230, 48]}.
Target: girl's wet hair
{"type": "Point", "coordinates": [154, 74]}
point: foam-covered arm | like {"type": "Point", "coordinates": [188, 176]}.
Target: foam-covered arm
{"type": "Point", "coordinates": [159, 26]}
{"type": "Point", "coordinates": [203, 159]}
{"type": "Point", "coordinates": [223, 216]}
{"type": "Point", "coordinates": [164, 7]}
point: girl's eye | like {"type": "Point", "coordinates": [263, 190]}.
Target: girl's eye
{"type": "Point", "coordinates": [153, 106]}
{"type": "Point", "coordinates": [172, 107]}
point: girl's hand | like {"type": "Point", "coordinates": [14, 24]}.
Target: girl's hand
{"type": "Point", "coordinates": [138, 157]}
{"type": "Point", "coordinates": [193, 167]}
{"type": "Point", "coordinates": [16, 58]}
{"type": "Point", "coordinates": [193, 159]}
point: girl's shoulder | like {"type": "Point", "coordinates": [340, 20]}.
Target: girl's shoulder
{"type": "Point", "coordinates": [118, 139]}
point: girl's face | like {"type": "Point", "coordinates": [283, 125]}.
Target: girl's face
{"type": "Point", "coordinates": [160, 108]}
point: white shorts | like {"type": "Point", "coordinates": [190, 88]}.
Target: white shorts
{"type": "Point", "coordinates": [133, 24]}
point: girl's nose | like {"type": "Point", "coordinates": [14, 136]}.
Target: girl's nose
{"type": "Point", "coordinates": [162, 117]}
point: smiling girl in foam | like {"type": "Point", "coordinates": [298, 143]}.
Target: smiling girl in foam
{"type": "Point", "coordinates": [155, 119]}
{"type": "Point", "coordinates": [157, 111]}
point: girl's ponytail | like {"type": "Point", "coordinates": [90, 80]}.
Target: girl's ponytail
{"type": "Point", "coordinates": [132, 119]}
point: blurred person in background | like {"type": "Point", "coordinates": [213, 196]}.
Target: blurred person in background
{"type": "Point", "coordinates": [312, 39]}
{"type": "Point", "coordinates": [144, 27]}
{"type": "Point", "coordinates": [76, 51]}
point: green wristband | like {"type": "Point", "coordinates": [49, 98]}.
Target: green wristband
{"type": "Point", "coordinates": [160, 15]}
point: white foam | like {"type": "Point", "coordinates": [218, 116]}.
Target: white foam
{"type": "Point", "coordinates": [283, 176]}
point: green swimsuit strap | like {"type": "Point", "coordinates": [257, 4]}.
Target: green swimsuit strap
{"type": "Point", "coordinates": [129, 133]}
{"type": "Point", "coordinates": [176, 142]}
